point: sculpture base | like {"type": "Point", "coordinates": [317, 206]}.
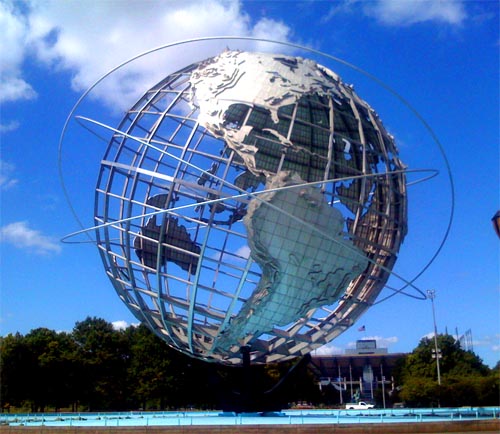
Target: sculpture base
{"type": "Point", "coordinates": [249, 400]}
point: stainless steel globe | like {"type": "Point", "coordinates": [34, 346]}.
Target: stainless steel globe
{"type": "Point", "coordinates": [250, 200]}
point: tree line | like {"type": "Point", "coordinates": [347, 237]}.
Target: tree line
{"type": "Point", "coordinates": [97, 368]}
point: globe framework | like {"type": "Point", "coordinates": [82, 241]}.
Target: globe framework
{"type": "Point", "coordinates": [250, 200]}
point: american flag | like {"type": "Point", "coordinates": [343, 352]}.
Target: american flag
{"type": "Point", "coordinates": [362, 329]}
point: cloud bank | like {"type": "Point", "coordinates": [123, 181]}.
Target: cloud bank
{"type": "Point", "coordinates": [90, 38]}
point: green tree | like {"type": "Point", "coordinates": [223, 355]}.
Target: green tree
{"type": "Point", "coordinates": [150, 373]}
{"type": "Point", "coordinates": [420, 392]}
{"type": "Point", "coordinates": [14, 364]}
{"type": "Point", "coordinates": [40, 343]}
{"type": "Point", "coordinates": [57, 364]}
{"type": "Point", "coordinates": [465, 380]}
{"type": "Point", "coordinates": [103, 357]}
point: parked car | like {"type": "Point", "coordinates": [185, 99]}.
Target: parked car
{"type": "Point", "coordinates": [361, 405]}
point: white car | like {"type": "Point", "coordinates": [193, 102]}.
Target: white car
{"type": "Point", "coordinates": [359, 406]}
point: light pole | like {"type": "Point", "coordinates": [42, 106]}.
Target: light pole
{"type": "Point", "coordinates": [431, 294]}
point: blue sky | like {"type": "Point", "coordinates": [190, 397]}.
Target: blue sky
{"type": "Point", "coordinates": [441, 56]}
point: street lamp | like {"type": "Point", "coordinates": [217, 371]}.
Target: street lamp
{"type": "Point", "coordinates": [431, 294]}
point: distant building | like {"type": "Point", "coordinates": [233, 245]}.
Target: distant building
{"type": "Point", "coordinates": [359, 374]}
{"type": "Point", "coordinates": [366, 346]}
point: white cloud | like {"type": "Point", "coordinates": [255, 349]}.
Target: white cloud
{"type": "Point", "coordinates": [14, 88]}
{"type": "Point", "coordinates": [269, 29]}
{"type": "Point", "coordinates": [339, 8]}
{"type": "Point", "coordinates": [429, 335]}
{"type": "Point", "coordinates": [243, 251]}
{"type": "Point", "coordinates": [327, 350]}
{"type": "Point", "coordinates": [7, 180]}
{"type": "Point", "coordinates": [7, 127]}
{"type": "Point", "coordinates": [90, 38]}
{"type": "Point", "coordinates": [241, 254]}
{"type": "Point", "coordinates": [408, 12]}
{"type": "Point", "coordinates": [402, 12]}
{"type": "Point", "coordinates": [122, 324]}
{"type": "Point", "coordinates": [21, 236]}
{"type": "Point", "coordinates": [13, 50]}
{"type": "Point", "coordinates": [385, 342]}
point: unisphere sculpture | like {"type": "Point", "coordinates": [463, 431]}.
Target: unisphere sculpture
{"type": "Point", "coordinates": [250, 200]}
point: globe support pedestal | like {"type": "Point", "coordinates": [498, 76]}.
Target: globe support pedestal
{"type": "Point", "coordinates": [250, 400]}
